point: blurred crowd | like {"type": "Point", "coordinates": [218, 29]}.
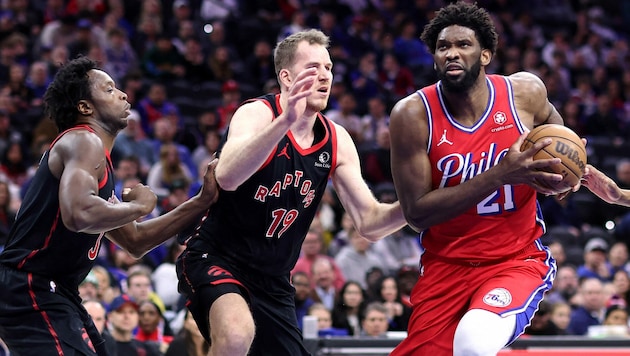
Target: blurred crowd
{"type": "Point", "coordinates": [187, 64]}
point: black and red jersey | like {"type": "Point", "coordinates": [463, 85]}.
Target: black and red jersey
{"type": "Point", "coordinates": [39, 243]}
{"type": "Point", "coordinates": [261, 225]}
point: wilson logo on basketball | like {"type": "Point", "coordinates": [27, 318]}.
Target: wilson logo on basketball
{"type": "Point", "coordinates": [573, 155]}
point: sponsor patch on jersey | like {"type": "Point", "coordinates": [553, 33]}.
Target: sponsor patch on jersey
{"type": "Point", "coordinates": [324, 160]}
{"type": "Point", "coordinates": [498, 297]}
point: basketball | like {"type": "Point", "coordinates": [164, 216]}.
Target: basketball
{"type": "Point", "coordinates": [567, 146]}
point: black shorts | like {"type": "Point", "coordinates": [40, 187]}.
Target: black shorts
{"type": "Point", "coordinates": [204, 278]}
{"type": "Point", "coordinates": [36, 318]}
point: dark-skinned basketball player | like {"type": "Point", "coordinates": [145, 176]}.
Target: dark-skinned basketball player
{"type": "Point", "coordinates": [464, 184]}
{"type": "Point", "coordinates": [69, 207]}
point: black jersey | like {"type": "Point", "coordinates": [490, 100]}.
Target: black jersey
{"type": "Point", "coordinates": [39, 242]}
{"type": "Point", "coordinates": [261, 225]}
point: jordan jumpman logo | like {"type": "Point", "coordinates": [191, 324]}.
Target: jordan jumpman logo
{"type": "Point", "coordinates": [284, 152]}
{"type": "Point", "coordinates": [443, 139]}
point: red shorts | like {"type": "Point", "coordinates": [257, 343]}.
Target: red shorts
{"type": "Point", "coordinates": [446, 291]}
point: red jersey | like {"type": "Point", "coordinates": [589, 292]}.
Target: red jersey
{"type": "Point", "coordinates": [506, 221]}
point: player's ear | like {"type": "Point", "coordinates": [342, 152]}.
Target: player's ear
{"type": "Point", "coordinates": [486, 56]}
{"type": "Point", "coordinates": [85, 108]}
{"type": "Point", "coordinates": [285, 77]}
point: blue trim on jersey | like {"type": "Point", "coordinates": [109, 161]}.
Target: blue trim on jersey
{"type": "Point", "coordinates": [484, 116]}
{"type": "Point", "coordinates": [519, 124]}
{"type": "Point", "coordinates": [525, 313]}
{"type": "Point", "coordinates": [429, 118]}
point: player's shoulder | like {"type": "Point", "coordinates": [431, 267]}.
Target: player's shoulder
{"type": "Point", "coordinates": [526, 81]}
{"type": "Point", "coordinates": [411, 106]}
{"type": "Point", "coordinates": [78, 140]}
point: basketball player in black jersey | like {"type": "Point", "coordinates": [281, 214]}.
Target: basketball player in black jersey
{"type": "Point", "coordinates": [67, 210]}
{"type": "Point", "coordinates": [273, 169]}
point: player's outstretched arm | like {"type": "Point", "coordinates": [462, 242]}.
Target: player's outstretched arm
{"type": "Point", "coordinates": [604, 187]}
{"type": "Point", "coordinates": [139, 238]}
{"type": "Point", "coordinates": [372, 219]}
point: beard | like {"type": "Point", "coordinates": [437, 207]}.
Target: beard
{"type": "Point", "coordinates": [460, 84]}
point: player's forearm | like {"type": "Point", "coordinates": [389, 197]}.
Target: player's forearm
{"type": "Point", "coordinates": [385, 220]}
{"type": "Point", "coordinates": [242, 158]}
{"type": "Point", "coordinates": [97, 216]}
{"type": "Point", "coordinates": [140, 238]}
{"type": "Point", "coordinates": [625, 198]}
{"type": "Point", "coordinates": [440, 205]}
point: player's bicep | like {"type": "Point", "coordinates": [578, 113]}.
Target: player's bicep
{"type": "Point", "coordinates": [84, 162]}
{"type": "Point", "coordinates": [247, 121]}
{"type": "Point", "coordinates": [410, 164]}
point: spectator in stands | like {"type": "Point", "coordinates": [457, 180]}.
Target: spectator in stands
{"type": "Point", "coordinates": [349, 308]}
{"type": "Point", "coordinates": [123, 320]}
{"type": "Point", "coordinates": [617, 315]}
{"type": "Point", "coordinates": [196, 67]}
{"type": "Point", "coordinates": [14, 163]}
{"type": "Point", "coordinates": [88, 289]}
{"type": "Point", "coordinates": [120, 55]}
{"type": "Point", "coordinates": [347, 117]}
{"type": "Point", "coordinates": [565, 286]}
{"type": "Point", "coordinates": [209, 147]}
{"type": "Point", "coordinates": [375, 322]}
{"type": "Point", "coordinates": [364, 81]}
{"type": "Point", "coordinates": [155, 106]}
{"type": "Point", "coordinates": [560, 316]}
{"type": "Point", "coordinates": [605, 121]}
{"type": "Point", "coordinates": [139, 286]}
{"type": "Point", "coordinates": [221, 64]}
{"type": "Point", "coordinates": [376, 161]}
{"type": "Point", "coordinates": [595, 264]}
{"type": "Point", "coordinates": [397, 313]}
{"type": "Point", "coordinates": [164, 278]}
{"type": "Point", "coordinates": [592, 309]}
{"type": "Point", "coordinates": [303, 301]}
{"type": "Point", "coordinates": [323, 276]}
{"type": "Point", "coordinates": [541, 322]}
{"type": "Point", "coordinates": [323, 314]}
{"type": "Point", "coordinates": [407, 278]}
{"type": "Point", "coordinates": [258, 66]}
{"type": "Point", "coordinates": [37, 81]}
{"type": "Point", "coordinates": [168, 131]}
{"type": "Point", "coordinates": [618, 257]}
{"type": "Point", "coordinates": [126, 168]}
{"type": "Point", "coordinates": [108, 287]}
{"type": "Point", "coordinates": [152, 326]}
{"type": "Point", "coordinates": [181, 23]}
{"type": "Point", "coordinates": [189, 341]}
{"type": "Point", "coordinates": [7, 214]}
{"type": "Point", "coordinates": [230, 99]}
{"type": "Point", "coordinates": [167, 170]}
{"type": "Point", "coordinates": [355, 259]}
{"type": "Point", "coordinates": [97, 312]}
{"type": "Point", "coordinates": [395, 79]}
{"type": "Point", "coordinates": [621, 286]}
{"type": "Point", "coordinates": [312, 249]}
{"type": "Point", "coordinates": [557, 251]}
{"type": "Point", "coordinates": [376, 117]}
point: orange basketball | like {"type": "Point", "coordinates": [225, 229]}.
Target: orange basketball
{"type": "Point", "coordinates": [565, 145]}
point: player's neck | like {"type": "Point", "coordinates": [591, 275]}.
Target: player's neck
{"type": "Point", "coordinates": [468, 106]}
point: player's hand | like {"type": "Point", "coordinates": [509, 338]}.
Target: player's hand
{"type": "Point", "coordinates": [210, 191]}
{"type": "Point", "coordinates": [601, 185]}
{"type": "Point", "coordinates": [521, 168]}
{"type": "Point", "coordinates": [142, 195]}
{"type": "Point", "coordinates": [300, 89]}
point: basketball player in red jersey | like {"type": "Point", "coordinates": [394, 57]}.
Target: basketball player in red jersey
{"type": "Point", "coordinates": [273, 171]}
{"type": "Point", "coordinates": [69, 207]}
{"type": "Point", "coordinates": [466, 187]}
